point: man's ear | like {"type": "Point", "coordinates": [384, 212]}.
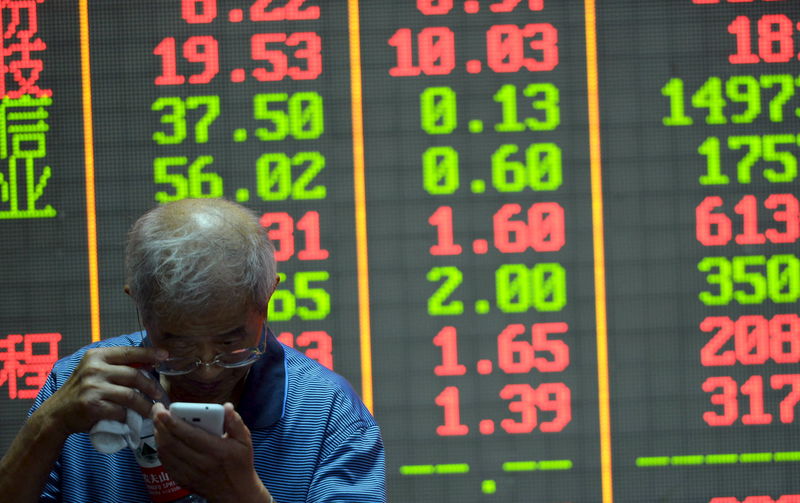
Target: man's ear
{"type": "Point", "coordinates": [274, 287]}
{"type": "Point", "coordinates": [127, 290]}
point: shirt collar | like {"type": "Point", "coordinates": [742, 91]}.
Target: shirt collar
{"type": "Point", "coordinates": [263, 399]}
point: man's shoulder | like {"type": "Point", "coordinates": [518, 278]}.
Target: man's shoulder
{"type": "Point", "coordinates": [312, 383]}
{"type": "Point", "coordinates": [308, 371]}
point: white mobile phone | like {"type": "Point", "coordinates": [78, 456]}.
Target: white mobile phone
{"type": "Point", "coordinates": [207, 416]}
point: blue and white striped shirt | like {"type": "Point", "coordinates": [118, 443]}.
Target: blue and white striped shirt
{"type": "Point", "coordinates": [313, 439]}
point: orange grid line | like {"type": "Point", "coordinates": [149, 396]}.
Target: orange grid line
{"type": "Point", "coordinates": [603, 393]}
{"type": "Point", "coordinates": [359, 187]}
{"type": "Point", "coordinates": [88, 146]}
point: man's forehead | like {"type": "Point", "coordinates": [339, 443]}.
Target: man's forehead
{"type": "Point", "coordinates": [202, 327]}
{"type": "Point", "coordinates": [212, 325]}
{"type": "Point", "coordinates": [234, 332]}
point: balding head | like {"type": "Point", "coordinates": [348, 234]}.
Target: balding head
{"type": "Point", "coordinates": [189, 259]}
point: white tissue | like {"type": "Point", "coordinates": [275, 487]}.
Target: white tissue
{"type": "Point", "coordinates": [109, 436]}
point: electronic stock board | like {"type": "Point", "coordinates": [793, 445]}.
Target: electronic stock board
{"type": "Point", "coordinates": [552, 243]}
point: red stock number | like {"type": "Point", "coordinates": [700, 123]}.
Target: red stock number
{"type": "Point", "coordinates": [279, 62]}
{"type": "Point", "coordinates": [318, 345]}
{"type": "Point", "coordinates": [205, 50]}
{"type": "Point", "coordinates": [788, 498]}
{"type": "Point", "coordinates": [716, 229]}
{"type": "Point", "coordinates": [281, 231]}
{"type": "Point", "coordinates": [509, 49]}
{"type": "Point", "coordinates": [725, 393]}
{"type": "Point", "coordinates": [541, 229]}
{"type": "Point", "coordinates": [755, 340]}
{"type": "Point", "coordinates": [515, 355]}
{"type": "Point", "coordinates": [525, 400]}
{"type": "Point", "coordinates": [201, 49]}
{"type": "Point", "coordinates": [439, 7]}
{"type": "Point", "coordinates": [506, 47]}
{"type": "Point", "coordinates": [733, 1]}
{"type": "Point", "coordinates": [205, 11]}
{"type": "Point", "coordinates": [775, 40]}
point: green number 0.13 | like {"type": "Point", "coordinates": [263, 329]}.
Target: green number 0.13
{"type": "Point", "coordinates": [437, 110]}
{"type": "Point", "coordinates": [549, 104]}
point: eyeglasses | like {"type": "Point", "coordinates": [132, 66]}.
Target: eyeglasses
{"type": "Point", "coordinates": [181, 365]}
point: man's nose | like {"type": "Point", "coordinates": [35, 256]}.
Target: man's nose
{"type": "Point", "coordinates": [207, 370]}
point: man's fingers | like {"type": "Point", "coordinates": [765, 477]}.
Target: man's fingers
{"type": "Point", "coordinates": [128, 355]}
{"type": "Point", "coordinates": [158, 408]}
{"type": "Point", "coordinates": [129, 398]}
{"type": "Point", "coordinates": [196, 459]}
{"type": "Point", "coordinates": [234, 425]}
{"type": "Point", "coordinates": [182, 442]}
{"type": "Point", "coordinates": [110, 410]}
{"type": "Point", "coordinates": [136, 378]}
{"type": "Point", "coordinates": [185, 433]}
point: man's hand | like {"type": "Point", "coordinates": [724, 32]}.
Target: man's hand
{"type": "Point", "coordinates": [104, 384]}
{"type": "Point", "coordinates": [218, 468]}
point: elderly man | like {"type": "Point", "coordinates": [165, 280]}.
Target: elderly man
{"type": "Point", "coordinates": [201, 273]}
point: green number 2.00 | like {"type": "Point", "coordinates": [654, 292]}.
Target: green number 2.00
{"type": "Point", "coordinates": [437, 303]}
{"type": "Point", "coordinates": [519, 288]}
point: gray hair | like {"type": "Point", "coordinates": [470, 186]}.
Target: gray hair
{"type": "Point", "coordinates": [186, 258]}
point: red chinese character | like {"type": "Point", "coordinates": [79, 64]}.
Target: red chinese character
{"type": "Point", "coordinates": [31, 367]}
{"type": "Point", "coordinates": [20, 24]}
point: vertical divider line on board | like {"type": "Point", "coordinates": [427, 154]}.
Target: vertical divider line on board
{"type": "Point", "coordinates": [359, 188]}
{"type": "Point", "coordinates": [603, 393]}
{"type": "Point", "coordinates": [88, 152]}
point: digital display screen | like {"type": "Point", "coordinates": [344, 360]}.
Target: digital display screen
{"type": "Point", "coordinates": [553, 244]}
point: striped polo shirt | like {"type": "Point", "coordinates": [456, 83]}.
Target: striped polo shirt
{"type": "Point", "coordinates": [313, 439]}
